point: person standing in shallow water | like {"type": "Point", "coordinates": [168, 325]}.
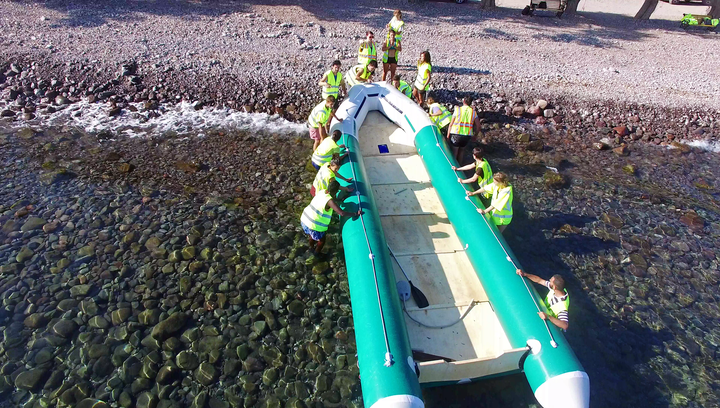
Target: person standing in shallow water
{"type": "Point", "coordinates": [557, 300]}
{"type": "Point", "coordinates": [500, 209]}
{"type": "Point", "coordinates": [319, 120]}
{"type": "Point", "coordinates": [315, 219]}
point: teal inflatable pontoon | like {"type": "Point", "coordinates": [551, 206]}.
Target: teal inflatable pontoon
{"type": "Point", "coordinates": [482, 320]}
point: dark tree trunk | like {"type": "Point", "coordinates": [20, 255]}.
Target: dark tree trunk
{"type": "Point", "coordinates": [488, 4]}
{"type": "Point", "coordinates": [572, 6]}
{"type": "Point", "coordinates": [646, 10]}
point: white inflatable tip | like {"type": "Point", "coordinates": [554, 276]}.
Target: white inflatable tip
{"type": "Point", "coordinates": [399, 401]}
{"type": "Point", "coordinates": [569, 390]}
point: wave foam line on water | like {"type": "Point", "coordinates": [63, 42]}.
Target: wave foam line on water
{"type": "Point", "coordinates": [705, 145]}
{"type": "Point", "coordinates": [181, 118]}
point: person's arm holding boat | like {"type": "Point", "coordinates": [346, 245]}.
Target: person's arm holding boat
{"type": "Point", "coordinates": [557, 300]}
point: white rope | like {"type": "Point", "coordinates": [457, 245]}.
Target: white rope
{"type": "Point", "coordinates": [442, 326]}
{"type": "Point", "coordinates": [388, 356]}
{"type": "Point", "coordinates": [507, 255]}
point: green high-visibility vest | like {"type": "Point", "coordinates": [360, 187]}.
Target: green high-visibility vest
{"type": "Point", "coordinates": [323, 178]}
{"type": "Point", "coordinates": [405, 88]}
{"type": "Point", "coordinates": [324, 152]}
{"type": "Point", "coordinates": [397, 26]}
{"type": "Point", "coordinates": [463, 119]}
{"type": "Point", "coordinates": [319, 115]}
{"type": "Point", "coordinates": [487, 173]}
{"type": "Point", "coordinates": [334, 80]}
{"type": "Point", "coordinates": [501, 202]}
{"type": "Point", "coordinates": [422, 82]}
{"type": "Point", "coordinates": [315, 216]}
{"type": "Point", "coordinates": [443, 119]}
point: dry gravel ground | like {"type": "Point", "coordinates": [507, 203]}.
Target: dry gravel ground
{"type": "Point", "coordinates": [228, 49]}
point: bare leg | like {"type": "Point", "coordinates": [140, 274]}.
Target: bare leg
{"type": "Point", "coordinates": [316, 143]}
{"type": "Point", "coordinates": [393, 67]}
{"type": "Point", "coordinates": [311, 242]}
{"type": "Point", "coordinates": [387, 70]}
{"type": "Point", "coordinates": [415, 93]}
{"type": "Point", "coordinates": [320, 244]}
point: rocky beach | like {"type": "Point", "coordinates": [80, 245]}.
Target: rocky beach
{"type": "Point", "coordinates": [153, 164]}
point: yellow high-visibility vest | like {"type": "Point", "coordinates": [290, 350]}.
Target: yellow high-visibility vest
{"type": "Point", "coordinates": [463, 119]}
{"type": "Point", "coordinates": [501, 202]}
{"type": "Point", "coordinates": [324, 152]}
{"type": "Point", "coordinates": [367, 53]}
{"type": "Point", "coordinates": [422, 82]}
{"type": "Point", "coordinates": [323, 178]}
{"type": "Point", "coordinates": [315, 216]}
{"type": "Point", "coordinates": [443, 119]}
{"type": "Point", "coordinates": [319, 115]}
{"type": "Point", "coordinates": [334, 80]}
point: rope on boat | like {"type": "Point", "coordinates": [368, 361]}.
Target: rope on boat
{"type": "Point", "coordinates": [507, 255]}
{"type": "Point", "coordinates": [388, 355]}
{"type": "Point", "coordinates": [441, 326]}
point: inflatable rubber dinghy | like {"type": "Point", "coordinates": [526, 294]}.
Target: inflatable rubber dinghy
{"type": "Point", "coordinates": [412, 202]}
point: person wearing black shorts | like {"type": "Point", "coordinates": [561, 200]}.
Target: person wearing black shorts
{"type": "Point", "coordinates": [463, 126]}
{"type": "Point", "coordinates": [390, 48]}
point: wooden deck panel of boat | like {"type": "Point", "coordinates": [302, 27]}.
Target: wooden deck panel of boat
{"type": "Point", "coordinates": [375, 132]}
{"type": "Point", "coordinates": [426, 245]}
{"type": "Point", "coordinates": [407, 199]}
{"type": "Point", "coordinates": [395, 169]}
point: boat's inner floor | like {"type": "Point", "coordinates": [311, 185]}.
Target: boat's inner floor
{"type": "Point", "coordinates": [418, 231]}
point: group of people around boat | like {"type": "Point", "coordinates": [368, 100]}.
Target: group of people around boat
{"type": "Point", "coordinates": [459, 128]}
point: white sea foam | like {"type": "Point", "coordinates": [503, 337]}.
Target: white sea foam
{"type": "Point", "coordinates": [181, 119]}
{"type": "Point", "coordinates": [705, 145]}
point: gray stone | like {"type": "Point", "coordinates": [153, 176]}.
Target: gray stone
{"type": "Point", "coordinates": [35, 321]}
{"type": "Point", "coordinates": [24, 254]}
{"type": "Point", "coordinates": [149, 317]}
{"type": "Point", "coordinates": [98, 322]}
{"type": "Point", "coordinates": [296, 307]}
{"type": "Point", "coordinates": [206, 374]}
{"type": "Point", "coordinates": [187, 360]}
{"type": "Point", "coordinates": [32, 223]}
{"type": "Point", "coordinates": [92, 403]}
{"type": "Point", "coordinates": [80, 290]}
{"type": "Point", "coordinates": [147, 400]}
{"type": "Point", "coordinates": [103, 367]}
{"type": "Point", "coordinates": [89, 307]}
{"type": "Point", "coordinates": [65, 328]}
{"type": "Point", "coordinates": [30, 379]}
{"type": "Point", "coordinates": [166, 374]}
{"type": "Point", "coordinates": [169, 326]}
{"type": "Point", "coordinates": [66, 304]}
{"type": "Point", "coordinates": [120, 316]}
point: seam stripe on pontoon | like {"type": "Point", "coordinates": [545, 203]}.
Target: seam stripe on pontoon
{"type": "Point", "coordinates": [409, 123]}
{"type": "Point", "coordinates": [357, 112]}
{"type": "Point", "coordinates": [391, 104]}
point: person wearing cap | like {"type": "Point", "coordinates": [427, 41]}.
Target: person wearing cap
{"type": "Point", "coordinates": [557, 300]}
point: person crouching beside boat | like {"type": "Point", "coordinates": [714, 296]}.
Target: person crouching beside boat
{"type": "Point", "coordinates": [327, 149]}
{"type": "Point", "coordinates": [402, 86]}
{"type": "Point", "coordinates": [483, 173]}
{"type": "Point", "coordinates": [327, 173]}
{"type": "Point", "coordinates": [332, 82]}
{"type": "Point", "coordinates": [316, 217]}
{"type": "Point", "coordinates": [439, 115]}
{"type": "Point", "coordinates": [319, 120]}
{"type": "Point", "coordinates": [464, 125]}
{"type": "Point", "coordinates": [557, 300]}
{"type": "Point", "coordinates": [501, 202]}
{"type": "Point", "coordinates": [360, 73]}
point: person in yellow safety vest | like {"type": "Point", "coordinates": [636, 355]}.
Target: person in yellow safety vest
{"type": "Point", "coordinates": [483, 173]}
{"type": "Point", "coordinates": [500, 209]}
{"type": "Point", "coordinates": [402, 86]}
{"type": "Point", "coordinates": [360, 73]}
{"type": "Point", "coordinates": [390, 48]}
{"type": "Point", "coordinates": [557, 300]}
{"type": "Point", "coordinates": [332, 82]}
{"type": "Point", "coordinates": [439, 115]}
{"type": "Point", "coordinates": [368, 50]}
{"type": "Point", "coordinates": [327, 173]}
{"type": "Point", "coordinates": [319, 120]}
{"type": "Point", "coordinates": [397, 24]}
{"type": "Point", "coordinates": [463, 126]}
{"type": "Point", "coordinates": [316, 217]}
{"type": "Point", "coordinates": [422, 82]}
{"type": "Point", "coordinates": [327, 148]}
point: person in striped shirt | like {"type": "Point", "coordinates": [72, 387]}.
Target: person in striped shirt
{"type": "Point", "coordinates": [556, 301]}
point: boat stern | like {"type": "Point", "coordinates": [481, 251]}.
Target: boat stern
{"type": "Point", "coordinates": [567, 390]}
{"type": "Point", "coordinates": [399, 401]}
